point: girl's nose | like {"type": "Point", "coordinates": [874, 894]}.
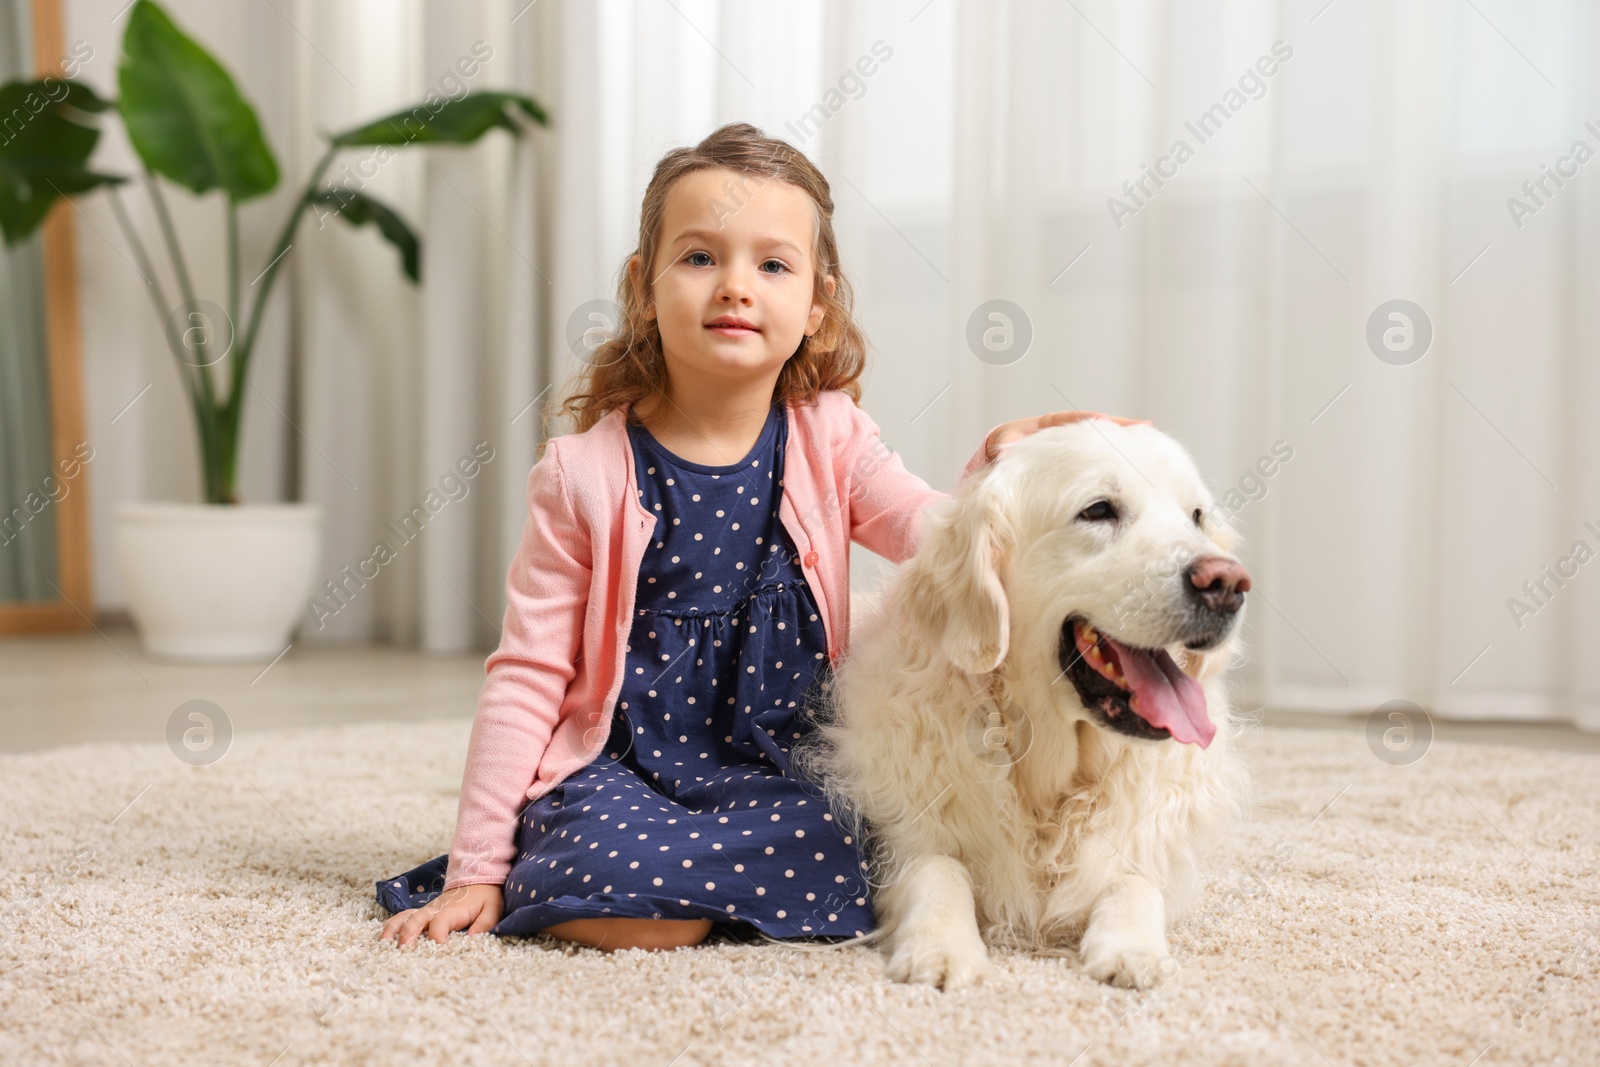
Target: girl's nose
{"type": "Point", "coordinates": [733, 284]}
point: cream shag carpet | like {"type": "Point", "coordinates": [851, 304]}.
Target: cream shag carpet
{"type": "Point", "coordinates": [155, 912]}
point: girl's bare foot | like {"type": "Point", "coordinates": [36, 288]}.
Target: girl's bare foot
{"type": "Point", "coordinates": [610, 935]}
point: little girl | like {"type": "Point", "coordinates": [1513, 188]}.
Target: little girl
{"type": "Point", "coordinates": [681, 592]}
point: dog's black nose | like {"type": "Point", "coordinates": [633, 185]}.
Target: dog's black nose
{"type": "Point", "coordinates": [1218, 584]}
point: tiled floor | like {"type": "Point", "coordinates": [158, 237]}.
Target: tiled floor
{"type": "Point", "coordinates": [61, 690]}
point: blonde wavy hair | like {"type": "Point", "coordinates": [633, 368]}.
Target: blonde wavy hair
{"type": "Point", "coordinates": [629, 364]}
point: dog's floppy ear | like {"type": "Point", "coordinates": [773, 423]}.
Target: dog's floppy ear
{"type": "Point", "coordinates": [951, 594]}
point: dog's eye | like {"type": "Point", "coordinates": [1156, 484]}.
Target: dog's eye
{"type": "Point", "coordinates": [1199, 518]}
{"type": "Point", "coordinates": [1099, 511]}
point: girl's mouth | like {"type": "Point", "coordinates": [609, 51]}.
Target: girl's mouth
{"type": "Point", "coordinates": [732, 326]}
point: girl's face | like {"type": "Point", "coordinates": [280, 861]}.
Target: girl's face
{"type": "Point", "coordinates": [733, 291]}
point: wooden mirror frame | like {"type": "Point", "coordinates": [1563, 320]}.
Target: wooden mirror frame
{"type": "Point", "coordinates": [73, 609]}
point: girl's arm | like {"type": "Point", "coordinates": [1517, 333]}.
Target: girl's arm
{"type": "Point", "coordinates": [547, 591]}
{"type": "Point", "coordinates": [886, 499]}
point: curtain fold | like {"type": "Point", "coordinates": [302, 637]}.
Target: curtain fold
{"type": "Point", "coordinates": [29, 484]}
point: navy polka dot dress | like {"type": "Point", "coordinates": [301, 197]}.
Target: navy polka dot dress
{"type": "Point", "coordinates": [692, 809]}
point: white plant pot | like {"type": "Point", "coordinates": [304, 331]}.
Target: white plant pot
{"type": "Point", "coordinates": [218, 582]}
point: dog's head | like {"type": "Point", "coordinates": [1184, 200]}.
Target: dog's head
{"type": "Point", "coordinates": [1087, 553]}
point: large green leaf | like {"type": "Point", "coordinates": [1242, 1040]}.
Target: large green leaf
{"type": "Point", "coordinates": [459, 121]}
{"type": "Point", "coordinates": [185, 116]}
{"type": "Point", "coordinates": [358, 209]}
{"type": "Point", "coordinates": [45, 146]}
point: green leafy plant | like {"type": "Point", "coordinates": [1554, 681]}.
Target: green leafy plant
{"type": "Point", "coordinates": [190, 125]}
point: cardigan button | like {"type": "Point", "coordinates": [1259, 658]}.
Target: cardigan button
{"type": "Point", "coordinates": [811, 559]}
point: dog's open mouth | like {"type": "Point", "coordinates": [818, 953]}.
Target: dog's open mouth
{"type": "Point", "coordinates": [1141, 692]}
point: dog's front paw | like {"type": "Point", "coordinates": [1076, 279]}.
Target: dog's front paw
{"type": "Point", "coordinates": [940, 958]}
{"type": "Point", "coordinates": [1125, 963]}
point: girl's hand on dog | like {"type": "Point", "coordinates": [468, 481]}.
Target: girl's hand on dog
{"type": "Point", "coordinates": [474, 908]}
{"type": "Point", "coordinates": [1017, 429]}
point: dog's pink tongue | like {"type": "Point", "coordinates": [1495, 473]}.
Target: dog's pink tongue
{"type": "Point", "coordinates": [1168, 698]}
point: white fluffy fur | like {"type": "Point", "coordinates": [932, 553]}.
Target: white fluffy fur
{"type": "Point", "coordinates": [998, 809]}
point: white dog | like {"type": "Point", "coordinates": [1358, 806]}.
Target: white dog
{"type": "Point", "coordinates": [1032, 720]}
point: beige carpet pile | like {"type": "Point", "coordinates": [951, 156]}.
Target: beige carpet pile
{"type": "Point", "coordinates": [155, 913]}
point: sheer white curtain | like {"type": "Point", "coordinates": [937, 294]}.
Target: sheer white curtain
{"type": "Point", "coordinates": [402, 384]}
{"type": "Point", "coordinates": [27, 559]}
{"type": "Point", "coordinates": [1339, 156]}
{"type": "Point", "coordinates": [1342, 156]}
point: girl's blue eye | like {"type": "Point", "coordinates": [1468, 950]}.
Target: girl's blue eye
{"type": "Point", "coordinates": [693, 256]}
{"type": "Point", "coordinates": [775, 262]}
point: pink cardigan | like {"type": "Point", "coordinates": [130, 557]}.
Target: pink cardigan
{"type": "Point", "coordinates": [545, 708]}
